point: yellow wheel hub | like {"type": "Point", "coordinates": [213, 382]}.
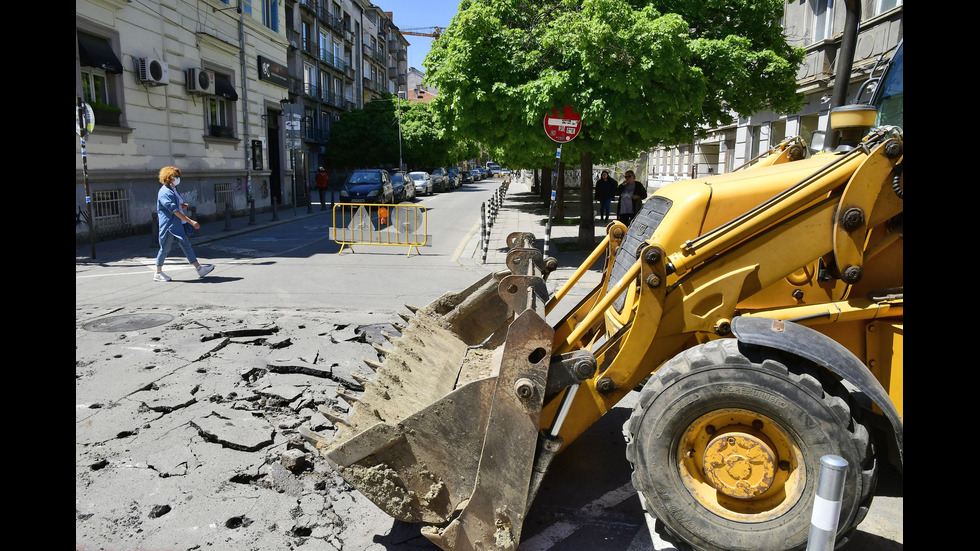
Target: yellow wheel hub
{"type": "Point", "coordinates": [741, 465]}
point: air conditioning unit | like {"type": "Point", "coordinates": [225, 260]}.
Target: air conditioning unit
{"type": "Point", "coordinates": [152, 71]}
{"type": "Point", "coordinates": [200, 81]}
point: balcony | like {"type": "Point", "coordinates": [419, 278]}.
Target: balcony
{"type": "Point", "coordinates": [310, 4]}
{"type": "Point", "coordinates": [294, 38]}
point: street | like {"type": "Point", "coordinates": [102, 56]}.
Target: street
{"type": "Point", "coordinates": [189, 394]}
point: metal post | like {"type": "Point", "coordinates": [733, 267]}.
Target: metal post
{"type": "Point", "coordinates": [155, 229]}
{"type": "Point", "coordinates": [551, 207]}
{"type": "Point", "coordinates": [227, 217]}
{"type": "Point", "coordinates": [484, 238]}
{"type": "Point", "coordinates": [826, 503]}
{"type": "Point", "coordinates": [82, 134]}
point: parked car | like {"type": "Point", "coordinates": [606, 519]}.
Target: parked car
{"type": "Point", "coordinates": [476, 175]}
{"type": "Point", "coordinates": [423, 183]}
{"type": "Point", "coordinates": [493, 169]}
{"type": "Point", "coordinates": [440, 180]}
{"type": "Point", "coordinates": [368, 186]}
{"type": "Point", "coordinates": [454, 176]}
{"type": "Point", "coordinates": [404, 187]}
{"type": "Point", "coordinates": [465, 177]}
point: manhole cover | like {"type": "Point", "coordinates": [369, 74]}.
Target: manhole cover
{"type": "Point", "coordinates": [128, 322]}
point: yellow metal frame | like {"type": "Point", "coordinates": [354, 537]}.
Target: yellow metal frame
{"type": "Point", "coordinates": [376, 229]}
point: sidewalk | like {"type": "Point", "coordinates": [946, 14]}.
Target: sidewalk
{"type": "Point", "coordinates": [147, 245]}
{"type": "Point", "coordinates": [521, 211]}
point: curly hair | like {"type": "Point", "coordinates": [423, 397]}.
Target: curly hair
{"type": "Point", "coordinates": [168, 173]}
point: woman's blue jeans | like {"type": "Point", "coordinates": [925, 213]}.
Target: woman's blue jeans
{"type": "Point", "coordinates": [167, 241]}
{"type": "Point", "coordinates": [604, 208]}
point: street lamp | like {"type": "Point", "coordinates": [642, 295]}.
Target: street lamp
{"type": "Point", "coordinates": [400, 168]}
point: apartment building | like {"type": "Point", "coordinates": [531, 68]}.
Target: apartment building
{"type": "Point", "coordinates": [204, 85]}
{"type": "Point", "coordinates": [817, 25]}
{"type": "Point", "coordinates": [342, 55]}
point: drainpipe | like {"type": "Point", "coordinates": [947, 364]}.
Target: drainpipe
{"type": "Point", "coordinates": [248, 143]}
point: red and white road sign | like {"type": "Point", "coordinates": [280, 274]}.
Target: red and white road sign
{"type": "Point", "coordinates": [562, 125]}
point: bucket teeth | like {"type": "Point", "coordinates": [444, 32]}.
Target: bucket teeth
{"type": "Point", "coordinates": [360, 378]}
{"type": "Point", "coordinates": [314, 438]}
{"type": "Point", "coordinates": [333, 416]}
{"type": "Point", "coordinates": [380, 349]}
{"type": "Point", "coordinates": [349, 398]}
{"type": "Point", "coordinates": [405, 317]}
{"type": "Point", "coordinates": [399, 326]}
{"type": "Point", "coordinates": [391, 338]}
{"type": "Point", "coordinates": [411, 308]}
{"type": "Point", "coordinates": [372, 364]}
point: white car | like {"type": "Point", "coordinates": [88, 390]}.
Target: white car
{"type": "Point", "coordinates": [423, 183]}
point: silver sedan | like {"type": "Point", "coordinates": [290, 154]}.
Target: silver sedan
{"type": "Point", "coordinates": [423, 183]}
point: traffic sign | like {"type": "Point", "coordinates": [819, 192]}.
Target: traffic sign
{"type": "Point", "coordinates": [84, 120]}
{"type": "Point", "coordinates": [562, 125]}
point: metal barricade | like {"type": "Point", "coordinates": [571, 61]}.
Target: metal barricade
{"type": "Point", "coordinates": [377, 224]}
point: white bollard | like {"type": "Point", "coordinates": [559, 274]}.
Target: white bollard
{"type": "Point", "coordinates": [826, 504]}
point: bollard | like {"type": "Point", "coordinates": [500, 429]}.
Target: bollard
{"type": "Point", "coordinates": [826, 504]}
{"type": "Point", "coordinates": [275, 212]}
{"type": "Point", "coordinates": [251, 211]}
{"type": "Point", "coordinates": [227, 217]}
{"type": "Point", "coordinates": [483, 230]}
{"type": "Point", "coordinates": [309, 204]}
{"type": "Point", "coordinates": [155, 229]}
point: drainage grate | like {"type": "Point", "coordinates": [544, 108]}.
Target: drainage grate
{"type": "Point", "coordinates": [127, 322]}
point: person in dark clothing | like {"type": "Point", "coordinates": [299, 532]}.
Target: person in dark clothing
{"type": "Point", "coordinates": [605, 188]}
{"type": "Point", "coordinates": [631, 195]}
{"type": "Point", "coordinates": [321, 186]}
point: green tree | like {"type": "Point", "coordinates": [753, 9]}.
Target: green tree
{"type": "Point", "coordinates": [640, 73]}
{"type": "Point", "coordinates": [368, 137]}
{"type": "Point", "coordinates": [365, 137]}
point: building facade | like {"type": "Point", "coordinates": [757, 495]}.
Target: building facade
{"type": "Point", "coordinates": [818, 26]}
{"type": "Point", "coordinates": [203, 85]}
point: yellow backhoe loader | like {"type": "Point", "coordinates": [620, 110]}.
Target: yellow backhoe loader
{"type": "Point", "coordinates": [760, 310]}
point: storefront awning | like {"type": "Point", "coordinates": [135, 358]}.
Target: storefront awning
{"type": "Point", "coordinates": [96, 52]}
{"type": "Point", "coordinates": [223, 88]}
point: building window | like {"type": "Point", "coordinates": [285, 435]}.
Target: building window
{"type": "Point", "coordinates": [100, 73]}
{"type": "Point", "coordinates": [246, 6]}
{"type": "Point", "coordinates": [270, 14]}
{"type": "Point", "coordinates": [885, 5]}
{"type": "Point", "coordinates": [823, 19]}
{"type": "Point", "coordinates": [309, 80]}
{"type": "Point", "coordinates": [218, 117]}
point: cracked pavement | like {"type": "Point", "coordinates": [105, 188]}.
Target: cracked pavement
{"type": "Point", "coordinates": [186, 430]}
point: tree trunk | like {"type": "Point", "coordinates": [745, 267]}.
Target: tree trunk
{"type": "Point", "coordinates": [586, 226]}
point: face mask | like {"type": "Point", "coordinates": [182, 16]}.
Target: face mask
{"type": "Point", "coordinates": [177, 181]}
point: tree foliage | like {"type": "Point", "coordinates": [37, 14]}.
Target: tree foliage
{"type": "Point", "coordinates": [640, 73]}
{"type": "Point", "coordinates": [368, 137]}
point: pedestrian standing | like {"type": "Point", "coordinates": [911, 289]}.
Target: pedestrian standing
{"type": "Point", "coordinates": [321, 186]}
{"type": "Point", "coordinates": [171, 216]}
{"type": "Point", "coordinates": [631, 195]}
{"type": "Point", "coordinates": [605, 188]}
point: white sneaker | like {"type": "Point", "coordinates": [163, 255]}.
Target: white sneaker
{"type": "Point", "coordinates": [204, 270]}
{"type": "Point", "coordinates": [160, 276]}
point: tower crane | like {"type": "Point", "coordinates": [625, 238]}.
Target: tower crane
{"type": "Point", "coordinates": [432, 32]}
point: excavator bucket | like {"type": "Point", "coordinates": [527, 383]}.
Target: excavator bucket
{"type": "Point", "coordinates": [447, 432]}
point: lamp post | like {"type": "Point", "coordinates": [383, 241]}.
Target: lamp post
{"type": "Point", "coordinates": [400, 167]}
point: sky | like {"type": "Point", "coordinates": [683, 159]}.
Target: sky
{"type": "Point", "coordinates": [407, 14]}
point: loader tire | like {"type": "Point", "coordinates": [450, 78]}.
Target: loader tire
{"type": "Point", "coordinates": [726, 440]}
